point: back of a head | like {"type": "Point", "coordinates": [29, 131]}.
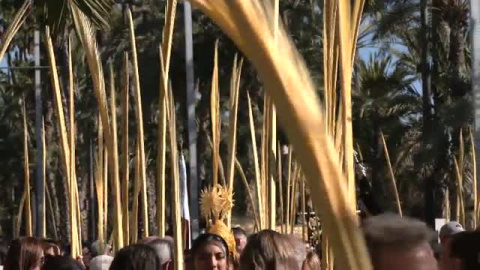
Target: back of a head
{"type": "Point", "coordinates": [24, 253]}
{"type": "Point", "coordinates": [465, 246]}
{"type": "Point", "coordinates": [101, 262]}
{"type": "Point", "coordinates": [268, 250]}
{"type": "Point", "coordinates": [163, 248]}
{"type": "Point", "coordinates": [99, 248]}
{"type": "Point", "coordinates": [136, 257]}
{"type": "Point", "coordinates": [50, 247]}
{"type": "Point", "coordinates": [392, 231]}
{"type": "Point", "coordinates": [312, 262]}
{"type": "Point", "coordinates": [298, 249]}
{"type": "Point", "coordinates": [61, 263]}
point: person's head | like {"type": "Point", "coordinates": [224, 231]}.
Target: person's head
{"type": "Point", "coordinates": [448, 230]}
{"type": "Point", "coordinates": [221, 229]}
{"type": "Point", "coordinates": [298, 250]}
{"type": "Point", "coordinates": [210, 251]}
{"type": "Point", "coordinates": [399, 243]}
{"type": "Point", "coordinates": [240, 239]}
{"type": "Point", "coordinates": [24, 254]}
{"type": "Point", "coordinates": [136, 257]}
{"type": "Point", "coordinates": [100, 248]}
{"type": "Point", "coordinates": [164, 249]}
{"type": "Point", "coordinates": [270, 250]}
{"type": "Point", "coordinates": [61, 263]}
{"type": "Point", "coordinates": [86, 253]}
{"type": "Point", "coordinates": [101, 262]}
{"type": "Point", "coordinates": [464, 251]}
{"type": "Point", "coordinates": [312, 262]}
{"type": "Point", "coordinates": [50, 247]}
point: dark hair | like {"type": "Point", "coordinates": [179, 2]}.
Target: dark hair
{"type": "Point", "coordinates": [61, 263]}
{"type": "Point", "coordinates": [239, 231]}
{"type": "Point", "coordinates": [23, 254]}
{"type": "Point", "coordinates": [136, 257]}
{"type": "Point", "coordinates": [67, 249]}
{"type": "Point", "coordinates": [269, 250]}
{"type": "Point", "coordinates": [466, 247]}
{"type": "Point", "coordinates": [206, 238]}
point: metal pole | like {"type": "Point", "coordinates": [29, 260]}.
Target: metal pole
{"type": "Point", "coordinates": [192, 128]}
{"type": "Point", "coordinates": [39, 185]}
{"type": "Point", "coordinates": [475, 19]}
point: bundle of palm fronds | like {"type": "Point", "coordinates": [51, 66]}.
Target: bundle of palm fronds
{"type": "Point", "coordinates": [248, 23]}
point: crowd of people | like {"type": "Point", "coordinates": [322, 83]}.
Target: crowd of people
{"type": "Point", "coordinates": [393, 242]}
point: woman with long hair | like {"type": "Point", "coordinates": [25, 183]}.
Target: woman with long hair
{"type": "Point", "coordinates": [25, 253]}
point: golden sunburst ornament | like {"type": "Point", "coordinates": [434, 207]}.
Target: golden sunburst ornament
{"type": "Point", "coordinates": [226, 197]}
{"type": "Point", "coordinates": [216, 202]}
{"type": "Point", "coordinates": [210, 202]}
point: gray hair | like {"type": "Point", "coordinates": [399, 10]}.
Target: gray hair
{"type": "Point", "coordinates": [101, 262]}
{"type": "Point", "coordinates": [99, 248]}
{"type": "Point", "coordinates": [394, 232]}
{"type": "Point", "coordinates": [163, 248]}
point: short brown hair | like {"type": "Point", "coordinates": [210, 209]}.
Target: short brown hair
{"type": "Point", "coordinates": [268, 250]}
{"type": "Point", "coordinates": [395, 232]}
{"type": "Point", "coordinates": [312, 261]}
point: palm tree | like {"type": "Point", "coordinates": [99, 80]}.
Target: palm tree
{"type": "Point", "coordinates": [385, 101]}
{"type": "Point", "coordinates": [56, 14]}
{"type": "Point", "coordinates": [407, 25]}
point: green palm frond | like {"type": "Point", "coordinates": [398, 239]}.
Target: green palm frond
{"type": "Point", "coordinates": [58, 12]}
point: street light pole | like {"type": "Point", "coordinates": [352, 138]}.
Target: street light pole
{"type": "Point", "coordinates": [191, 118]}
{"type": "Point", "coordinates": [475, 24]}
{"type": "Point", "coordinates": [39, 183]}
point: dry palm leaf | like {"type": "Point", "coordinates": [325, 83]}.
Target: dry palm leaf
{"type": "Point", "coordinates": [67, 156]}
{"type": "Point", "coordinates": [256, 162]}
{"type": "Point", "coordinates": [140, 132]}
{"type": "Point", "coordinates": [165, 52]}
{"type": "Point", "coordinates": [113, 109]}
{"type": "Point", "coordinates": [232, 138]}
{"type": "Point", "coordinates": [215, 115]}
{"type": "Point", "coordinates": [474, 180]}
{"type": "Point", "coordinates": [460, 200]}
{"type": "Point", "coordinates": [76, 223]}
{"type": "Point", "coordinates": [99, 183]}
{"type": "Point", "coordinates": [87, 38]}
{"type": "Point", "coordinates": [14, 26]}
{"type": "Point", "coordinates": [392, 175]}
{"type": "Point", "coordinates": [125, 149]}
{"type": "Point", "coordinates": [177, 222]}
{"type": "Point", "coordinates": [249, 192]}
{"type": "Point", "coordinates": [247, 23]}
{"type": "Point", "coordinates": [136, 192]}
{"type": "Point", "coordinates": [26, 167]}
